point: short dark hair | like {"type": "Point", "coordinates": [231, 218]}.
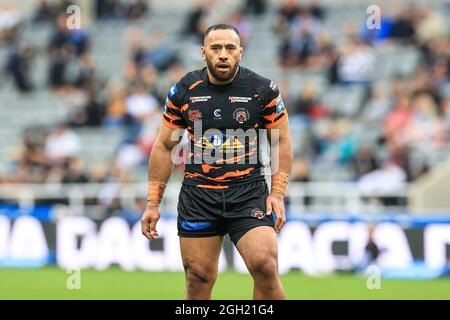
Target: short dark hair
{"type": "Point", "coordinates": [221, 26]}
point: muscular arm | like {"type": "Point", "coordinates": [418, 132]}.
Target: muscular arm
{"type": "Point", "coordinates": [281, 165]}
{"type": "Point", "coordinates": [160, 163]}
{"type": "Point", "coordinates": [159, 170]}
{"type": "Point", "coordinates": [280, 137]}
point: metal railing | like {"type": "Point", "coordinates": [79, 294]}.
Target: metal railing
{"type": "Point", "coordinates": [302, 198]}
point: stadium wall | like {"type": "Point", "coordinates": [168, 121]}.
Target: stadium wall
{"type": "Point", "coordinates": [316, 245]}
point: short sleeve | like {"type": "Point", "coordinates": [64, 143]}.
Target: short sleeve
{"type": "Point", "coordinates": [273, 108]}
{"type": "Point", "coordinates": [172, 116]}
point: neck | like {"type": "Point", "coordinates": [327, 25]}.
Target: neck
{"type": "Point", "coordinates": [217, 82]}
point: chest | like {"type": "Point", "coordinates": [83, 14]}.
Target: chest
{"type": "Point", "coordinates": [223, 109]}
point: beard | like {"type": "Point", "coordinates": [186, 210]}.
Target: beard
{"type": "Point", "coordinates": [222, 76]}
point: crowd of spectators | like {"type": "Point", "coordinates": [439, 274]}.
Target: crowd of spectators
{"type": "Point", "coordinates": [410, 113]}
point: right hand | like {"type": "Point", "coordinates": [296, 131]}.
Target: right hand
{"type": "Point", "coordinates": [149, 220]}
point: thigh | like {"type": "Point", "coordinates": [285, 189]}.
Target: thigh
{"type": "Point", "coordinates": [257, 245]}
{"type": "Point", "coordinates": [201, 253]}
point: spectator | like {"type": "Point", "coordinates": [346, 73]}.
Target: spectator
{"type": "Point", "coordinates": [356, 63]}
{"type": "Point", "coordinates": [161, 54]}
{"type": "Point", "coordinates": [307, 104]}
{"type": "Point", "coordinates": [385, 184]}
{"type": "Point", "coordinates": [116, 104]}
{"type": "Point", "coordinates": [303, 34]}
{"type": "Point", "coordinates": [61, 145]}
{"type": "Point", "coordinates": [403, 24]}
{"type": "Point", "coordinates": [140, 104]}
{"type": "Point", "coordinates": [137, 53]}
{"type": "Point", "coordinates": [91, 114]}
{"type": "Point", "coordinates": [398, 119]}
{"type": "Point", "coordinates": [75, 172]}
{"type": "Point", "coordinates": [118, 9]}
{"type": "Point", "coordinates": [75, 41]}
{"type": "Point", "coordinates": [379, 105]}
{"type": "Point", "coordinates": [10, 20]}
{"type": "Point", "coordinates": [137, 9]}
{"type": "Point", "coordinates": [287, 11]}
{"type": "Point", "coordinates": [335, 141]}
{"type": "Point", "coordinates": [426, 129]}
{"type": "Point", "coordinates": [431, 25]}
{"type": "Point", "coordinates": [316, 9]}
{"type": "Point", "coordinates": [195, 24]}
{"type": "Point", "coordinates": [238, 20]}
{"type": "Point", "coordinates": [129, 155]}
{"type": "Point", "coordinates": [18, 67]}
{"type": "Point", "coordinates": [440, 72]}
{"type": "Point", "coordinates": [86, 73]}
{"type": "Point", "coordinates": [60, 52]}
{"type": "Point", "coordinates": [45, 12]}
{"type": "Point", "coordinates": [364, 162]}
{"type": "Point", "coordinates": [111, 9]}
{"type": "Point", "coordinates": [255, 7]}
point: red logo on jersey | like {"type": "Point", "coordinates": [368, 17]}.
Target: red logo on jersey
{"type": "Point", "coordinates": [194, 115]}
{"type": "Point", "coordinates": [241, 115]}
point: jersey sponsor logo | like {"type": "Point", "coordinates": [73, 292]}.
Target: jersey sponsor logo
{"type": "Point", "coordinates": [173, 90]}
{"type": "Point", "coordinates": [257, 213]}
{"type": "Point", "coordinates": [195, 225]}
{"type": "Point", "coordinates": [239, 99]}
{"type": "Point", "coordinates": [279, 105]}
{"type": "Point", "coordinates": [194, 115]}
{"type": "Point", "coordinates": [273, 86]}
{"type": "Point", "coordinates": [221, 142]}
{"type": "Point", "coordinates": [199, 99]}
{"type": "Point", "coordinates": [217, 114]}
{"type": "Point", "coordinates": [241, 115]}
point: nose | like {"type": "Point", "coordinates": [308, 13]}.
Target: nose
{"type": "Point", "coordinates": [223, 55]}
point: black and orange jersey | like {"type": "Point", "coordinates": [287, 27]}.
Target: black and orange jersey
{"type": "Point", "coordinates": [225, 125]}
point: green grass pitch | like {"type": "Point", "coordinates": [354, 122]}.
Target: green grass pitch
{"type": "Point", "coordinates": [50, 283]}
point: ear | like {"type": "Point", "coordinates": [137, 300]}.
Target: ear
{"type": "Point", "coordinates": [203, 53]}
{"type": "Point", "coordinates": [241, 52]}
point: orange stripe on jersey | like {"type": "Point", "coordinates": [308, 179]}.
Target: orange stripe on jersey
{"type": "Point", "coordinates": [232, 174]}
{"type": "Point", "coordinates": [196, 83]}
{"type": "Point", "coordinates": [184, 107]}
{"type": "Point", "coordinates": [275, 123]}
{"type": "Point", "coordinates": [171, 105]}
{"type": "Point", "coordinates": [206, 168]}
{"type": "Point", "coordinates": [190, 175]}
{"type": "Point", "coordinates": [222, 178]}
{"type": "Point", "coordinates": [271, 116]}
{"type": "Point", "coordinates": [170, 124]}
{"type": "Point", "coordinates": [270, 104]}
{"type": "Point", "coordinates": [237, 158]}
{"type": "Point", "coordinates": [172, 116]}
{"type": "Point", "coordinates": [212, 186]}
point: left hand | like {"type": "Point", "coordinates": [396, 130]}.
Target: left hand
{"type": "Point", "coordinates": [275, 203]}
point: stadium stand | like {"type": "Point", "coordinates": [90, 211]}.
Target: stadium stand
{"type": "Point", "coordinates": [329, 76]}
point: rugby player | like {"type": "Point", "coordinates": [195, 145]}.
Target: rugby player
{"type": "Point", "coordinates": [228, 194]}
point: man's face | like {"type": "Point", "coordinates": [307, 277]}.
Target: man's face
{"type": "Point", "coordinates": [222, 52]}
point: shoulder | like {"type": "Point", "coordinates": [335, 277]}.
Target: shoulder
{"type": "Point", "coordinates": [178, 91]}
{"type": "Point", "coordinates": [191, 78]}
{"type": "Point", "coordinates": [266, 88]}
